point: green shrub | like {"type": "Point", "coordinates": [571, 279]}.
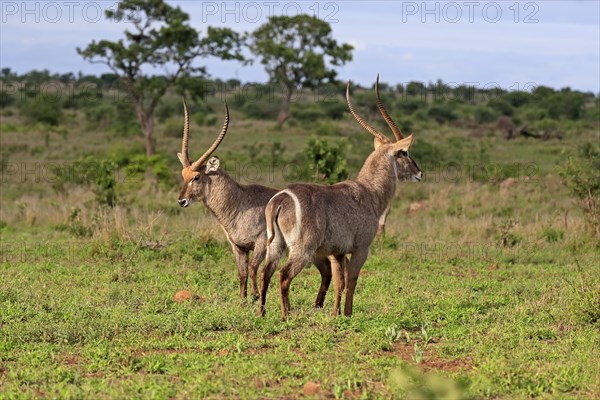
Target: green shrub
{"type": "Point", "coordinates": [581, 174]}
{"type": "Point", "coordinates": [6, 99]}
{"type": "Point", "coordinates": [552, 235]}
{"type": "Point", "coordinates": [167, 109]}
{"type": "Point", "coordinates": [334, 109]}
{"type": "Point", "coordinates": [501, 106]}
{"type": "Point", "coordinates": [173, 127]}
{"type": "Point", "coordinates": [409, 106]}
{"type": "Point", "coordinates": [485, 114]}
{"type": "Point", "coordinates": [41, 111]}
{"type": "Point", "coordinates": [156, 164]}
{"type": "Point", "coordinates": [99, 116]}
{"type": "Point", "coordinates": [325, 129]}
{"type": "Point", "coordinates": [442, 112]}
{"type": "Point", "coordinates": [326, 162]}
{"type": "Point", "coordinates": [262, 109]}
{"type": "Point", "coordinates": [125, 122]}
{"type": "Point", "coordinates": [308, 112]}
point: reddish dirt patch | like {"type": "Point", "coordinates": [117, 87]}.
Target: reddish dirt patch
{"type": "Point", "coordinates": [223, 353]}
{"type": "Point", "coordinates": [447, 365]}
{"type": "Point", "coordinates": [431, 360]}
{"type": "Point", "coordinates": [71, 359]}
{"type": "Point", "coordinates": [145, 352]}
{"type": "Point", "coordinates": [260, 383]}
{"type": "Point", "coordinates": [185, 295]}
{"type": "Point", "coordinates": [311, 388]}
{"type": "Point", "coordinates": [93, 375]}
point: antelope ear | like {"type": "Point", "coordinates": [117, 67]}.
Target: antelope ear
{"type": "Point", "coordinates": [180, 156]}
{"type": "Point", "coordinates": [401, 145]}
{"type": "Point", "coordinates": [212, 165]}
{"type": "Point", "coordinates": [377, 142]}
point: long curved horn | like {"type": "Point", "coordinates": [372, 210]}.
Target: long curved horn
{"type": "Point", "coordinates": [362, 122]}
{"type": "Point", "coordinates": [185, 158]}
{"type": "Point", "coordinates": [385, 115]}
{"type": "Point", "coordinates": [214, 146]}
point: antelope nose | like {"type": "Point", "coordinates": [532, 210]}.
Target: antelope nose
{"type": "Point", "coordinates": [183, 202]}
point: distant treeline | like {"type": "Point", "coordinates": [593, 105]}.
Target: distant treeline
{"type": "Point", "coordinates": [537, 111]}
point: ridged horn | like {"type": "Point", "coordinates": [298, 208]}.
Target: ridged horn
{"type": "Point", "coordinates": [185, 158]}
{"type": "Point", "coordinates": [397, 133]}
{"type": "Point", "coordinates": [216, 143]}
{"type": "Point", "coordinates": [362, 122]}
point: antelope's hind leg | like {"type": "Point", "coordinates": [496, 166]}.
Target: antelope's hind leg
{"type": "Point", "coordinates": [289, 271]}
{"type": "Point", "coordinates": [274, 253]}
{"type": "Point", "coordinates": [260, 251]}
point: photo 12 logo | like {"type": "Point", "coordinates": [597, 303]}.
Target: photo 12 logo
{"type": "Point", "coordinates": [470, 11]}
{"type": "Point", "coordinates": [255, 12]}
{"type": "Point", "coordinates": [53, 12]}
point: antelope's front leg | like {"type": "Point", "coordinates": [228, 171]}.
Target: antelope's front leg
{"type": "Point", "coordinates": [241, 259]}
{"type": "Point", "coordinates": [351, 273]}
{"type": "Point", "coordinates": [337, 270]}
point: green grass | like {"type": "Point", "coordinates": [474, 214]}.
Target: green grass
{"type": "Point", "coordinates": [485, 291]}
{"type": "Point", "coordinates": [100, 320]}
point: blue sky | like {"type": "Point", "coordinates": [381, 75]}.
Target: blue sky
{"type": "Point", "coordinates": [484, 43]}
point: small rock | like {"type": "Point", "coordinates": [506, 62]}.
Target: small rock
{"type": "Point", "coordinates": [311, 388]}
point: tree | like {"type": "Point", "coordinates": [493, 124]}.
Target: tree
{"type": "Point", "coordinates": [160, 38]}
{"type": "Point", "coordinates": [298, 52]}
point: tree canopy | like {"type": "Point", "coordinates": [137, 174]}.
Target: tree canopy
{"type": "Point", "coordinates": [297, 52]}
{"type": "Point", "coordinates": [160, 38]}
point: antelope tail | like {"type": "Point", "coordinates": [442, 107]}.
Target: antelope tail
{"type": "Point", "coordinates": [272, 225]}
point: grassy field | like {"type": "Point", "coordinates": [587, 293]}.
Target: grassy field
{"type": "Point", "coordinates": [486, 285]}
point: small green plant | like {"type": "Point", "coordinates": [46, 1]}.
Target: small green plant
{"type": "Point", "coordinates": [418, 353]}
{"type": "Point", "coordinates": [427, 338]}
{"type": "Point", "coordinates": [338, 391]}
{"type": "Point", "coordinates": [393, 333]}
{"type": "Point", "coordinates": [75, 226]}
{"type": "Point", "coordinates": [507, 237]}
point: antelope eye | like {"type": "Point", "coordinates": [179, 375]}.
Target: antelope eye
{"type": "Point", "coordinates": [195, 178]}
{"type": "Point", "coordinates": [403, 152]}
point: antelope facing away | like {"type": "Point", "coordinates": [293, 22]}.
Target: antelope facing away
{"type": "Point", "coordinates": [239, 209]}
{"type": "Point", "coordinates": [332, 221]}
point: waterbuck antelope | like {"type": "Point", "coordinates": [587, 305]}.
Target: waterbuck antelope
{"type": "Point", "coordinates": [238, 208]}
{"type": "Point", "coordinates": [332, 221]}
